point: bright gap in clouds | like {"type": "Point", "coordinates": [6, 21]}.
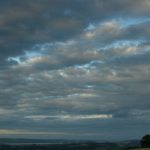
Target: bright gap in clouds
{"type": "Point", "coordinates": [70, 117]}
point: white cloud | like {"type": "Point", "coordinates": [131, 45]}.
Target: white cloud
{"type": "Point", "coordinates": [70, 117]}
{"type": "Point", "coordinates": [25, 132]}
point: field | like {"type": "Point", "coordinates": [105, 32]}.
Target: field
{"type": "Point", "coordinates": [142, 149]}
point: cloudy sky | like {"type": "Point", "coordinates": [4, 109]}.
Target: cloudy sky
{"type": "Point", "coordinates": [75, 69]}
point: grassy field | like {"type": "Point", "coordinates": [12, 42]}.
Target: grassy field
{"type": "Point", "coordinates": [142, 149]}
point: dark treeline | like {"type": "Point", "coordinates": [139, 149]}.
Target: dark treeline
{"type": "Point", "coordinates": [145, 141]}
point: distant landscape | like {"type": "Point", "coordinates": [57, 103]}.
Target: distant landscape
{"type": "Point", "coordinates": [45, 144]}
{"type": "Point", "coordinates": [59, 144]}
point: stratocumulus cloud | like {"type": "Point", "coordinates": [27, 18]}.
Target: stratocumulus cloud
{"type": "Point", "coordinates": [67, 70]}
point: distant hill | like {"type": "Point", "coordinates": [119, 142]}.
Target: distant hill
{"type": "Point", "coordinates": [32, 141]}
{"type": "Point", "coordinates": [71, 146]}
{"type": "Point", "coordinates": [44, 144]}
{"type": "Point", "coordinates": [129, 144]}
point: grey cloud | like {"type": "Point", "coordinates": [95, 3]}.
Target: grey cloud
{"type": "Point", "coordinates": [139, 59]}
{"type": "Point", "coordinates": [26, 23]}
{"type": "Point", "coordinates": [87, 49]}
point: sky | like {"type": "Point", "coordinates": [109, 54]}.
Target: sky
{"type": "Point", "coordinates": [75, 69]}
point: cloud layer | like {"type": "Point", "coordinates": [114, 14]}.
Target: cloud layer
{"type": "Point", "coordinates": [72, 69]}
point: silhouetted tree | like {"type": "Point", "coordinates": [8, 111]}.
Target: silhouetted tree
{"type": "Point", "coordinates": [145, 141]}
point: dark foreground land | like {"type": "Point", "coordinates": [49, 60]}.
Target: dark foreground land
{"type": "Point", "coordinates": [65, 146]}
{"type": "Point", "coordinates": [71, 146]}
